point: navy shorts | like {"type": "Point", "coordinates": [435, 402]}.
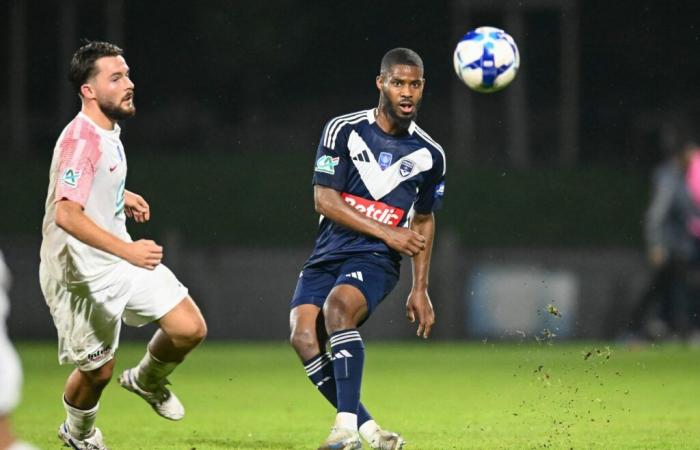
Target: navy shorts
{"type": "Point", "coordinates": [374, 275]}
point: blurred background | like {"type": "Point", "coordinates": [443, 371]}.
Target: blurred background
{"type": "Point", "coordinates": [547, 181]}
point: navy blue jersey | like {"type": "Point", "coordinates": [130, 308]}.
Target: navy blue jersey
{"type": "Point", "coordinates": [385, 177]}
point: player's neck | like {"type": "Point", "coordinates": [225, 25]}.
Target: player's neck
{"type": "Point", "coordinates": [387, 124]}
{"type": "Point", "coordinates": [96, 115]}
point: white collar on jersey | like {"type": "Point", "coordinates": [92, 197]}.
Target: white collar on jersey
{"type": "Point", "coordinates": [109, 133]}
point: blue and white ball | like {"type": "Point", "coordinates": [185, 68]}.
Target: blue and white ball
{"type": "Point", "coordinates": [486, 59]}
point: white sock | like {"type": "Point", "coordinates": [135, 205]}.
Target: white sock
{"type": "Point", "coordinates": [347, 421]}
{"type": "Point", "coordinates": [80, 422]}
{"type": "Point", "coordinates": [150, 372]}
{"type": "Point", "coordinates": [368, 429]}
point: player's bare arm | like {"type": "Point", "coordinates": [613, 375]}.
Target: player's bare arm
{"type": "Point", "coordinates": [72, 219]}
{"type": "Point", "coordinates": [418, 305]}
{"type": "Point", "coordinates": [331, 205]}
{"type": "Point", "coordinates": [136, 207]}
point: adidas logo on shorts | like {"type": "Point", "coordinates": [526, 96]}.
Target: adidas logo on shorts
{"type": "Point", "coordinates": [356, 275]}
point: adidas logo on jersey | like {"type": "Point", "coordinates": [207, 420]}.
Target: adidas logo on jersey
{"type": "Point", "coordinates": [363, 156]}
{"type": "Point", "coordinates": [355, 275]}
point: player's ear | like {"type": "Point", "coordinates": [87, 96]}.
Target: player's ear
{"type": "Point", "coordinates": [86, 91]}
{"type": "Point", "coordinates": [380, 80]}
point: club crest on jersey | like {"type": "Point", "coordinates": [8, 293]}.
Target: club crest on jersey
{"type": "Point", "coordinates": [406, 168]}
{"type": "Point", "coordinates": [385, 160]}
{"type": "Point", "coordinates": [326, 164]}
{"type": "Point", "coordinates": [70, 177]}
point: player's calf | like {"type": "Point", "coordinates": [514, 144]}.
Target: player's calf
{"type": "Point", "coordinates": [84, 387]}
{"type": "Point", "coordinates": [81, 401]}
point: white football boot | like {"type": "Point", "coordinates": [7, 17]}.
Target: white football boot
{"type": "Point", "coordinates": [342, 439]}
{"type": "Point", "coordinates": [386, 440]}
{"type": "Point", "coordinates": [94, 442]}
{"type": "Point", "coordinates": [162, 400]}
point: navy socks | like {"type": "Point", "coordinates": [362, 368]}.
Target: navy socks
{"type": "Point", "coordinates": [320, 370]}
{"type": "Point", "coordinates": [348, 358]}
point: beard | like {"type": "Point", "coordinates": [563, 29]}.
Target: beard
{"type": "Point", "coordinates": [390, 110]}
{"type": "Point", "coordinates": [115, 112]}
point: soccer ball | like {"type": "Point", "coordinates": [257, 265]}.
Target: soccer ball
{"type": "Point", "coordinates": [486, 59]}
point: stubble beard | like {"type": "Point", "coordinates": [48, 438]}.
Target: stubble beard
{"type": "Point", "coordinates": [402, 121]}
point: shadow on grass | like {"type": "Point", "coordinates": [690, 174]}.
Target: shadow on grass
{"type": "Point", "coordinates": [233, 444]}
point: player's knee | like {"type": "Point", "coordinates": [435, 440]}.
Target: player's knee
{"type": "Point", "coordinates": [100, 377]}
{"type": "Point", "coordinates": [201, 330]}
{"type": "Point", "coordinates": [195, 333]}
{"type": "Point", "coordinates": [303, 339]}
{"type": "Point", "coordinates": [336, 314]}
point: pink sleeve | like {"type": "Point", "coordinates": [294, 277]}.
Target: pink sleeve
{"type": "Point", "coordinates": [79, 153]}
{"type": "Point", "coordinates": [692, 178]}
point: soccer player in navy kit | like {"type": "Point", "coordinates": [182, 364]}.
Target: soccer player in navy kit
{"type": "Point", "coordinates": [377, 180]}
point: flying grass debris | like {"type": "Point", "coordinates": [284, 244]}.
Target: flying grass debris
{"type": "Point", "coordinates": [605, 353]}
{"type": "Point", "coordinates": [546, 335]}
{"type": "Point", "coordinates": [551, 309]}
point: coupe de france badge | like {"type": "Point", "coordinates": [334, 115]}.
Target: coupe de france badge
{"type": "Point", "coordinates": [385, 160]}
{"type": "Point", "coordinates": [406, 168]}
{"type": "Point", "coordinates": [70, 177]}
{"type": "Point", "coordinates": [326, 164]}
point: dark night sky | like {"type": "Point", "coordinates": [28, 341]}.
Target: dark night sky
{"type": "Point", "coordinates": [252, 84]}
{"type": "Point", "coordinates": [220, 74]}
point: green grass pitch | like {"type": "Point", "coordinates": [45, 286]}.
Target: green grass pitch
{"type": "Point", "coordinates": [438, 395]}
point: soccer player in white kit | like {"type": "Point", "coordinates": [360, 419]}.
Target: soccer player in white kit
{"type": "Point", "coordinates": [10, 370]}
{"type": "Point", "coordinates": [92, 274]}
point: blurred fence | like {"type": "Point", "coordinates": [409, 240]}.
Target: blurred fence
{"type": "Point", "coordinates": [244, 293]}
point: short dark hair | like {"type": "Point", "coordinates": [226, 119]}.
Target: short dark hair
{"type": "Point", "coordinates": [82, 65]}
{"type": "Point", "coordinates": [400, 56]}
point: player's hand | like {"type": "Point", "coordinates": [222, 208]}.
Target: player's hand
{"type": "Point", "coordinates": [405, 241]}
{"type": "Point", "coordinates": [136, 207]}
{"type": "Point", "coordinates": [419, 307]}
{"type": "Point", "coordinates": [144, 253]}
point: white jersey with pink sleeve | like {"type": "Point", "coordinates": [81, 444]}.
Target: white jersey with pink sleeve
{"type": "Point", "coordinates": [89, 168]}
{"type": "Point", "coordinates": [10, 367]}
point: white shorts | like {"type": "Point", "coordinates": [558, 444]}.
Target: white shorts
{"type": "Point", "coordinates": [10, 374]}
{"type": "Point", "coordinates": [88, 322]}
